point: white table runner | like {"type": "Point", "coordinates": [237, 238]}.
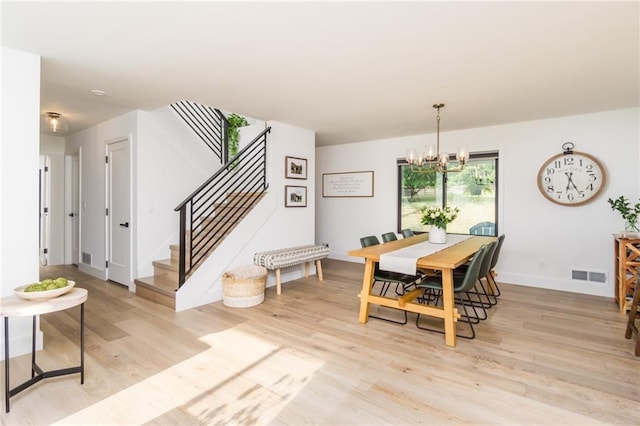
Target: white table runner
{"type": "Point", "coordinates": [404, 260]}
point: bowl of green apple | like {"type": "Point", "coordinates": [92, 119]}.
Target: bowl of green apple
{"type": "Point", "coordinates": [45, 289]}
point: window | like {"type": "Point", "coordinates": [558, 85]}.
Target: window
{"type": "Point", "coordinates": [473, 190]}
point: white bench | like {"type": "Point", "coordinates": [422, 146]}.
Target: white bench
{"type": "Point", "coordinates": [283, 258]}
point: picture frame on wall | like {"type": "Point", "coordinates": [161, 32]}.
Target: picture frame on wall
{"type": "Point", "coordinates": [295, 196]}
{"type": "Point", "coordinates": [295, 168]}
{"type": "Point", "coordinates": [347, 184]}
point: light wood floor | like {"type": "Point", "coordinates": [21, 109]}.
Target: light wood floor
{"type": "Point", "coordinates": [542, 357]}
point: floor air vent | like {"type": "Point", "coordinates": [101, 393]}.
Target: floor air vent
{"type": "Point", "coordinates": [579, 275]}
{"type": "Point", "coordinates": [86, 258]}
{"type": "Point", "coordinates": [593, 276]}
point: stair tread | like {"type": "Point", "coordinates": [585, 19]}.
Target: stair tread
{"type": "Point", "coordinates": [158, 284]}
{"type": "Point", "coordinates": [166, 263]}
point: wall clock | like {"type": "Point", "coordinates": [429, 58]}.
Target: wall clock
{"type": "Point", "coordinates": [571, 178]}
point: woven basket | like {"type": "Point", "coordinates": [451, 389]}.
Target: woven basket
{"type": "Point", "coordinates": [244, 286]}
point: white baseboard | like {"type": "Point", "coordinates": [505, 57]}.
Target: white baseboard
{"type": "Point", "coordinates": [94, 272]}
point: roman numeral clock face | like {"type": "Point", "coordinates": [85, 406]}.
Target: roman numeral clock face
{"type": "Point", "coordinates": [571, 178]}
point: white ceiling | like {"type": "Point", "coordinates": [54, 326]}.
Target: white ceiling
{"type": "Point", "coordinates": [349, 71]}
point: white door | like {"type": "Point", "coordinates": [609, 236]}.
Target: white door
{"type": "Point", "coordinates": [74, 215]}
{"type": "Point", "coordinates": [119, 212]}
{"type": "Point", "coordinates": [44, 209]}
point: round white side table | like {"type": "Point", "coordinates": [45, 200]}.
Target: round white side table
{"type": "Point", "coordinates": [14, 306]}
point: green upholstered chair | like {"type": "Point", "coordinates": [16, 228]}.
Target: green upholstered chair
{"type": "Point", "coordinates": [479, 294]}
{"type": "Point", "coordinates": [389, 236]}
{"type": "Point", "coordinates": [402, 282]}
{"type": "Point", "coordinates": [461, 285]}
{"type": "Point", "coordinates": [406, 233]}
{"type": "Point", "coordinates": [492, 290]}
{"type": "Point", "coordinates": [494, 261]}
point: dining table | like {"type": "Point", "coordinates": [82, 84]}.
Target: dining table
{"type": "Point", "coordinates": [444, 260]}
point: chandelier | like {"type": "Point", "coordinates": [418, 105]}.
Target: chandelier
{"type": "Point", "coordinates": [431, 160]}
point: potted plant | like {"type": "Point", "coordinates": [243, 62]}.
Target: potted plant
{"type": "Point", "coordinates": [438, 218]}
{"type": "Point", "coordinates": [235, 121]}
{"type": "Point", "coordinates": [629, 213]}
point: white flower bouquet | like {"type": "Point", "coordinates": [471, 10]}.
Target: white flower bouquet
{"type": "Point", "coordinates": [438, 216]}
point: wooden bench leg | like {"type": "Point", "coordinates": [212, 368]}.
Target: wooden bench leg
{"type": "Point", "coordinates": [306, 274]}
{"type": "Point", "coordinates": [278, 285]}
{"type": "Point", "coordinates": [319, 270]}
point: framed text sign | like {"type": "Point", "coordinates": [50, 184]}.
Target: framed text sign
{"type": "Point", "coordinates": [348, 184]}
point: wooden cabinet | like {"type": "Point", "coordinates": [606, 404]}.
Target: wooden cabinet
{"type": "Point", "coordinates": [627, 262]}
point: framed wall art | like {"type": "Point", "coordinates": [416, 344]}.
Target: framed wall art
{"type": "Point", "coordinates": [348, 184]}
{"type": "Point", "coordinates": [295, 196]}
{"type": "Point", "coordinates": [295, 168]}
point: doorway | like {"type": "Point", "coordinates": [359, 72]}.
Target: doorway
{"type": "Point", "coordinates": [74, 214]}
{"type": "Point", "coordinates": [43, 208]}
{"type": "Point", "coordinates": [72, 208]}
{"type": "Point", "coordinates": [118, 212]}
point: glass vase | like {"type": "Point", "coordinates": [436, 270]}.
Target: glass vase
{"type": "Point", "coordinates": [631, 226]}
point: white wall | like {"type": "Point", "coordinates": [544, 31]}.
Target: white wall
{"type": "Point", "coordinates": [536, 229]}
{"type": "Point", "coordinates": [92, 185]}
{"type": "Point", "coordinates": [19, 162]}
{"type": "Point", "coordinates": [54, 148]}
{"type": "Point", "coordinates": [171, 129]}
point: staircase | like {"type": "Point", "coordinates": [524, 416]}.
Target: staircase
{"type": "Point", "coordinates": [214, 209]}
{"type": "Point", "coordinates": [161, 287]}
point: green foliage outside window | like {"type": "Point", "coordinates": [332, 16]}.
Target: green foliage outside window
{"type": "Point", "coordinates": [415, 181]}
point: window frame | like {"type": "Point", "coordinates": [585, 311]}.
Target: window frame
{"type": "Point", "coordinates": [401, 162]}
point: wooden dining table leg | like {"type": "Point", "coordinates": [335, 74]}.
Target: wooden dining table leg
{"type": "Point", "coordinates": [449, 307]}
{"type": "Point", "coordinates": [367, 280]}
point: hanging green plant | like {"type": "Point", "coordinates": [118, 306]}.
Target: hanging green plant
{"type": "Point", "coordinates": [235, 121]}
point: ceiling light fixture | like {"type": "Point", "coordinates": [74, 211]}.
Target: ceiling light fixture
{"type": "Point", "coordinates": [431, 160]}
{"type": "Point", "coordinates": [97, 92]}
{"type": "Point", "coordinates": [56, 122]}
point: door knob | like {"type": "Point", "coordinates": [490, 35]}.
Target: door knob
{"type": "Point", "coordinates": [125, 225]}
{"type": "Point", "coordinates": [71, 215]}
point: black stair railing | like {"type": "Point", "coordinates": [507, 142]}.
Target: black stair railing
{"type": "Point", "coordinates": [214, 209]}
{"type": "Point", "coordinates": [208, 123]}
